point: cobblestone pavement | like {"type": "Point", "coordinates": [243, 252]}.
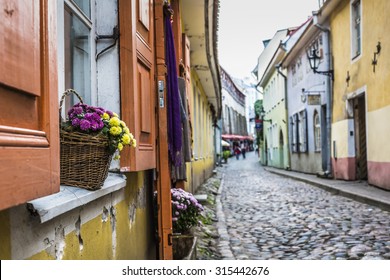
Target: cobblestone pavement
{"type": "Point", "coordinates": [265, 216]}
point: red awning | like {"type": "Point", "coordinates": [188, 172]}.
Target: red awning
{"type": "Point", "coordinates": [236, 137]}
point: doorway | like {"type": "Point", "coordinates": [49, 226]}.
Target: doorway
{"type": "Point", "coordinates": [281, 149]}
{"type": "Point", "coordinates": [359, 113]}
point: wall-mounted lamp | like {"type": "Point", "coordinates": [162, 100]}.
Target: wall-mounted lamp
{"type": "Point", "coordinates": [262, 115]}
{"type": "Point", "coordinates": [314, 60]}
{"type": "Point", "coordinates": [375, 60]}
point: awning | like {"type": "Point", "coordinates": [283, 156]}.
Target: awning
{"type": "Point", "coordinates": [225, 144]}
{"type": "Point", "coordinates": [236, 137]}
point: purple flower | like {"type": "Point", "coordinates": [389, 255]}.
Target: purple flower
{"type": "Point", "coordinates": [99, 111]}
{"type": "Point", "coordinates": [85, 125]}
{"type": "Point", "coordinates": [76, 122]}
{"type": "Point", "coordinates": [94, 125]}
{"type": "Point", "coordinates": [100, 124]}
{"type": "Point", "coordinates": [78, 110]}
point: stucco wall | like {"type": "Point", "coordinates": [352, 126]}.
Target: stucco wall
{"type": "Point", "coordinates": [203, 146]}
{"type": "Point", "coordinates": [274, 106]}
{"type": "Point", "coordinates": [117, 226]}
{"type": "Point", "coordinates": [363, 80]}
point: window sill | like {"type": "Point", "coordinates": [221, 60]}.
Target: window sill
{"type": "Point", "coordinates": [69, 198]}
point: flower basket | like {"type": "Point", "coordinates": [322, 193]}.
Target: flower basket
{"type": "Point", "coordinates": [89, 138]}
{"type": "Point", "coordinates": [84, 158]}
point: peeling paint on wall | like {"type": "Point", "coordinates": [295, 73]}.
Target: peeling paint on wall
{"type": "Point", "coordinates": [132, 213]}
{"type": "Point", "coordinates": [113, 229]}
{"type": "Point", "coordinates": [59, 241]}
{"type": "Point", "coordinates": [105, 214]}
{"type": "Point", "coordinates": [78, 233]}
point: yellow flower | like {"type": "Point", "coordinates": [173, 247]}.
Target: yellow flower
{"type": "Point", "coordinates": [106, 116]}
{"type": "Point", "coordinates": [117, 157]}
{"type": "Point", "coordinates": [120, 146]}
{"type": "Point", "coordinates": [134, 143]}
{"type": "Point", "coordinates": [114, 121]}
{"type": "Point", "coordinates": [115, 114]}
{"type": "Point", "coordinates": [115, 130]}
{"type": "Point", "coordinates": [126, 130]}
{"type": "Point", "coordinates": [126, 139]}
{"type": "Point", "coordinates": [122, 123]}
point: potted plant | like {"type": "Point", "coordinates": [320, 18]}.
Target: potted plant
{"type": "Point", "coordinates": [226, 155]}
{"type": "Point", "coordinates": [89, 138]}
{"type": "Point", "coordinates": [185, 215]}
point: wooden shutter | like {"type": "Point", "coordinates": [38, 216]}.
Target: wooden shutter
{"type": "Point", "coordinates": [29, 142]}
{"type": "Point", "coordinates": [305, 132]}
{"type": "Point", "coordinates": [137, 78]}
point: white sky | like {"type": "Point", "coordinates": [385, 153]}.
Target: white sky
{"type": "Point", "coordinates": [244, 24]}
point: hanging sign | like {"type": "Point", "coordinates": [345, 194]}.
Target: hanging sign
{"type": "Point", "coordinates": [314, 99]}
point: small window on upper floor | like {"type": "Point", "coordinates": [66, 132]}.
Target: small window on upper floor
{"type": "Point", "coordinates": [356, 29]}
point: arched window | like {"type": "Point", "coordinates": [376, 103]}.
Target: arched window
{"type": "Point", "coordinates": [317, 131]}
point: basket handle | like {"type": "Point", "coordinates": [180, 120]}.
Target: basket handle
{"type": "Point", "coordinates": [67, 93]}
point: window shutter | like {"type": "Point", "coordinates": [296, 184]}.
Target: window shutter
{"type": "Point", "coordinates": [29, 142]}
{"type": "Point", "coordinates": [137, 79]}
{"type": "Point", "coordinates": [304, 123]}
{"type": "Point", "coordinates": [296, 116]}
{"type": "Point", "coordinates": [291, 131]}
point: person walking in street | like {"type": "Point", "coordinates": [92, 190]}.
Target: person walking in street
{"type": "Point", "coordinates": [237, 152]}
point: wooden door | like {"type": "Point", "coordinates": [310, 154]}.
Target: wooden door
{"type": "Point", "coordinates": [360, 137]}
{"type": "Point", "coordinates": [29, 142]}
{"type": "Point", "coordinates": [142, 62]}
{"type": "Point", "coordinates": [137, 77]}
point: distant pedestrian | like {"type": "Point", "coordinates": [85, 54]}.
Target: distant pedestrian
{"type": "Point", "coordinates": [237, 152]}
{"type": "Point", "coordinates": [243, 151]}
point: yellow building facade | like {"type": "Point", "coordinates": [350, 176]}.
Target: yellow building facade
{"type": "Point", "coordinates": [361, 102]}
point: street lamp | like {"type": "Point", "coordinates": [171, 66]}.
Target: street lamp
{"type": "Point", "coordinates": [314, 60]}
{"type": "Point", "coordinates": [262, 115]}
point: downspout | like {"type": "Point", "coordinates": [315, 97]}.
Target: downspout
{"type": "Point", "coordinates": [329, 85]}
{"type": "Point", "coordinates": [286, 114]}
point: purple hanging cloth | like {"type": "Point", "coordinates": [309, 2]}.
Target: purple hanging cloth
{"type": "Point", "coordinates": [173, 99]}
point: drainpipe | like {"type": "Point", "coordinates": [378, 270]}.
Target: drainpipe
{"type": "Point", "coordinates": [286, 114]}
{"type": "Point", "coordinates": [329, 84]}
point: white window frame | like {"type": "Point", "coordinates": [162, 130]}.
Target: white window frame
{"type": "Point", "coordinates": [91, 23]}
{"type": "Point", "coordinates": [355, 44]}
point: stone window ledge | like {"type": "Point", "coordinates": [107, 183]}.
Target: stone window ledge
{"type": "Point", "coordinates": [69, 198]}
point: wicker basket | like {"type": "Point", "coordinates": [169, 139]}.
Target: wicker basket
{"type": "Point", "coordinates": [84, 158]}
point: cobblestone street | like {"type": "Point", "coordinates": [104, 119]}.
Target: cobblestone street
{"type": "Point", "coordinates": [266, 216]}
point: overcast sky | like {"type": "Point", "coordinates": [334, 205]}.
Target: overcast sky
{"type": "Point", "coordinates": [244, 24]}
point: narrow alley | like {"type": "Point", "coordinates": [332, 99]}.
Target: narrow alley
{"type": "Point", "coordinates": [267, 216]}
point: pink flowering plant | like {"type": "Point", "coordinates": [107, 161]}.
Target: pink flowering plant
{"type": "Point", "coordinates": [96, 120]}
{"type": "Point", "coordinates": [185, 210]}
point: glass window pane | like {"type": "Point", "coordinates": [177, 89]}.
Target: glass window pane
{"type": "Point", "coordinates": [77, 56]}
{"type": "Point", "coordinates": [85, 6]}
